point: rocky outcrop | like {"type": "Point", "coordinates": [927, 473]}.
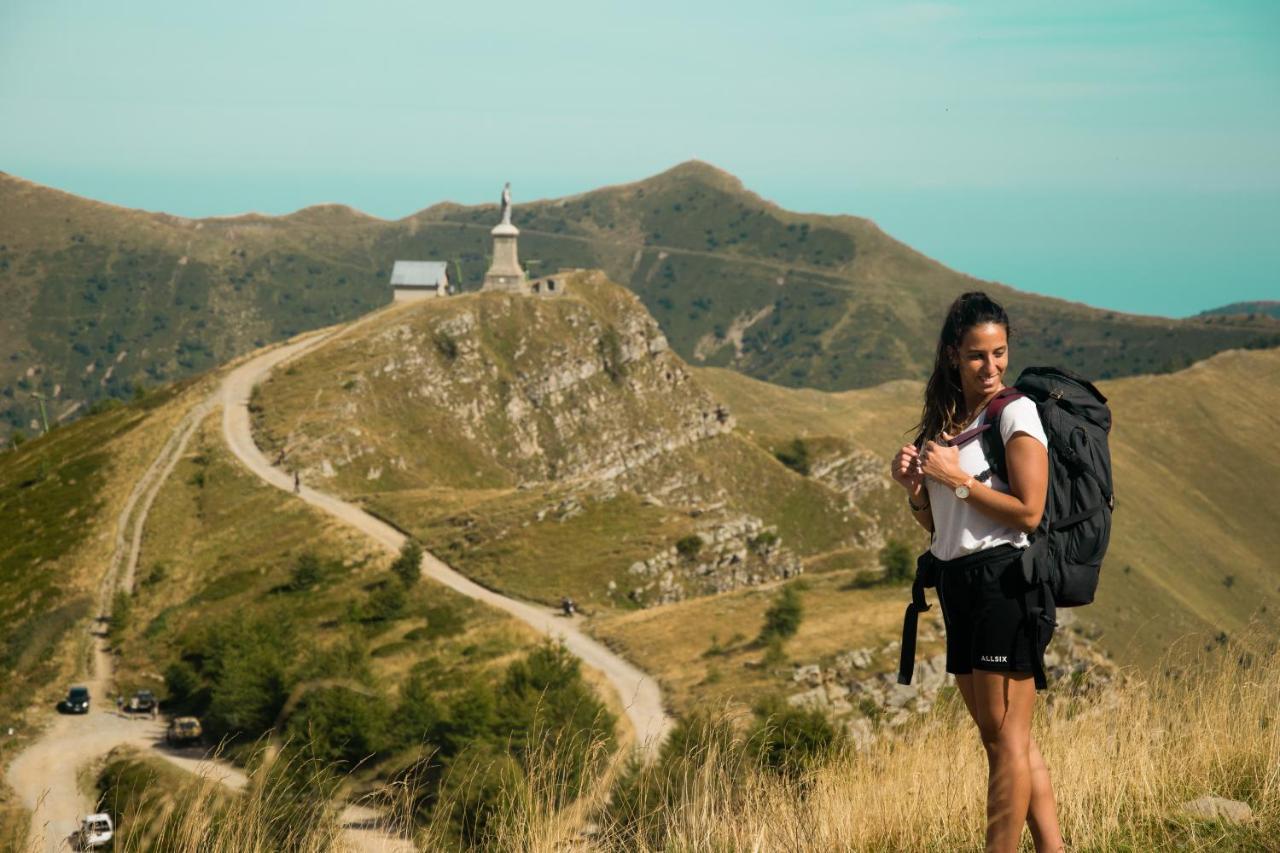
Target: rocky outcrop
{"type": "Point", "coordinates": [851, 472]}
{"type": "Point", "coordinates": [579, 388]}
{"type": "Point", "coordinates": [732, 551]}
{"type": "Point", "coordinates": [859, 687]}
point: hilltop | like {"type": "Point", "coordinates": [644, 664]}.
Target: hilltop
{"type": "Point", "coordinates": [102, 299]}
{"type": "Point", "coordinates": [1268, 308]}
{"type": "Point", "coordinates": [554, 446]}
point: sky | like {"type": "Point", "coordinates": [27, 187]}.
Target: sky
{"type": "Point", "coordinates": [1123, 154]}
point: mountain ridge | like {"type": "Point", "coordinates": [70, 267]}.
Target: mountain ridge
{"type": "Point", "coordinates": [105, 298]}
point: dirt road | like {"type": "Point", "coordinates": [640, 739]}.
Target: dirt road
{"type": "Point", "coordinates": [638, 691]}
{"type": "Point", "coordinates": [45, 774]}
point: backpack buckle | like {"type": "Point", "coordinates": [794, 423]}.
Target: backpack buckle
{"type": "Point", "coordinates": [1056, 393]}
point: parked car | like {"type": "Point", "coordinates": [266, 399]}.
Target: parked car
{"type": "Point", "coordinates": [95, 831]}
{"type": "Point", "coordinates": [183, 730]}
{"type": "Point", "coordinates": [142, 702]}
{"type": "Point", "coordinates": [77, 701]}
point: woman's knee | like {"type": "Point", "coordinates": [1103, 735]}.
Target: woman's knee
{"type": "Point", "coordinates": [1004, 745]}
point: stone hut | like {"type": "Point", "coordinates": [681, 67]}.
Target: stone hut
{"type": "Point", "coordinates": [419, 279]}
{"type": "Point", "coordinates": [552, 285]}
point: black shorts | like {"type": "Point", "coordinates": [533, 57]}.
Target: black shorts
{"type": "Point", "coordinates": [986, 603]}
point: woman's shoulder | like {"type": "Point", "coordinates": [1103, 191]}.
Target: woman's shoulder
{"type": "Point", "coordinates": [1022, 415]}
{"type": "Point", "coordinates": [1024, 407]}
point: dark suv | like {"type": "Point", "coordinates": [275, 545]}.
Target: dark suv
{"type": "Point", "coordinates": [143, 702]}
{"type": "Point", "coordinates": [77, 701]}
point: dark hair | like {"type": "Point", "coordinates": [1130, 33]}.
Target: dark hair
{"type": "Point", "coordinates": [943, 396]}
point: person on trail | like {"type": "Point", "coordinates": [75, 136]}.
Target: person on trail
{"type": "Point", "coordinates": [980, 525]}
{"type": "Point", "coordinates": [297, 483]}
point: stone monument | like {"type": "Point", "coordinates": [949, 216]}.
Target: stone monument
{"type": "Point", "coordinates": [505, 272]}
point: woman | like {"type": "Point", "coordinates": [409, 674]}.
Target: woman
{"type": "Point", "coordinates": [980, 524]}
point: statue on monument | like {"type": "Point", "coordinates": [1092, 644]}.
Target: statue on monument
{"type": "Point", "coordinates": [506, 203]}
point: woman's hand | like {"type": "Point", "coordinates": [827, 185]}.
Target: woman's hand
{"type": "Point", "coordinates": [906, 470]}
{"type": "Point", "coordinates": [941, 463]}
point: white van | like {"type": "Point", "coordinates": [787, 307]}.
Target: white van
{"type": "Point", "coordinates": [95, 830]}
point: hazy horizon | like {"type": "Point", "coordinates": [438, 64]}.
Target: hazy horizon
{"type": "Point", "coordinates": [1127, 158]}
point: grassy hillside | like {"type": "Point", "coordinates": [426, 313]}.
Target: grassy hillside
{"type": "Point", "coordinates": [551, 447]}
{"type": "Point", "coordinates": [60, 499]}
{"type": "Point", "coordinates": [101, 299]}
{"type": "Point", "coordinates": [1194, 544]}
{"type": "Point", "coordinates": [1269, 308]}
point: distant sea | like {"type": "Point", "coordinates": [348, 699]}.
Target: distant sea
{"type": "Point", "coordinates": [1164, 252]}
{"type": "Point", "coordinates": [1160, 252]}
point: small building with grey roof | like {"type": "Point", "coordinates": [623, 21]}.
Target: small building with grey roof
{"type": "Point", "coordinates": [419, 279]}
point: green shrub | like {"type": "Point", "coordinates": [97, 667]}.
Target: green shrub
{"type": "Point", "coordinates": [792, 740]}
{"type": "Point", "coordinates": [181, 681]}
{"type": "Point", "coordinates": [306, 573]}
{"type": "Point", "coordinates": [341, 724]}
{"type": "Point", "coordinates": [897, 562]}
{"type": "Point", "coordinates": [446, 345]}
{"type": "Point", "coordinates": [763, 541]}
{"type": "Point", "coordinates": [408, 566]}
{"type": "Point", "coordinates": [610, 348]}
{"type": "Point", "coordinates": [246, 664]}
{"type": "Point", "coordinates": [782, 619]}
{"type": "Point", "coordinates": [385, 603]}
{"type": "Point", "coordinates": [418, 715]}
{"type": "Point", "coordinates": [774, 653]}
{"type": "Point", "coordinates": [689, 546]}
{"type": "Point", "coordinates": [795, 456]}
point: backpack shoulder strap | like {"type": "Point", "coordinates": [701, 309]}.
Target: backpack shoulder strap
{"type": "Point", "coordinates": [992, 440]}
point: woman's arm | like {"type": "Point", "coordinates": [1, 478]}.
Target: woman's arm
{"type": "Point", "coordinates": [1027, 462]}
{"type": "Point", "coordinates": [924, 516]}
{"type": "Point", "coordinates": [906, 472]}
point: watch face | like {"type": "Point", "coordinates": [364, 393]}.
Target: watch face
{"type": "Point", "coordinates": [962, 492]}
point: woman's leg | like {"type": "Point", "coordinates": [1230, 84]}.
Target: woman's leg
{"type": "Point", "coordinates": [1001, 704]}
{"type": "Point", "coordinates": [1042, 817]}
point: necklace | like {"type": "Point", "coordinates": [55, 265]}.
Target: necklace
{"type": "Point", "coordinates": [973, 413]}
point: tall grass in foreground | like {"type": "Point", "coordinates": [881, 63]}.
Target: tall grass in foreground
{"type": "Point", "coordinates": [1122, 763]}
{"type": "Point", "coordinates": [1123, 760]}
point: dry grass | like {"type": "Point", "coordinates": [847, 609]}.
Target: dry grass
{"type": "Point", "coordinates": [702, 650]}
{"type": "Point", "coordinates": [1122, 763]}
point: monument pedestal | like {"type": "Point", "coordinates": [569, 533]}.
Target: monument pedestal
{"type": "Point", "coordinates": [505, 273]}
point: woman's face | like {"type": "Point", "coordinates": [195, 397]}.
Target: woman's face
{"type": "Point", "coordinates": [982, 358]}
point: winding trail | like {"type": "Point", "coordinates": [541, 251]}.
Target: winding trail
{"type": "Point", "coordinates": [638, 691]}
{"type": "Point", "coordinates": [45, 774]}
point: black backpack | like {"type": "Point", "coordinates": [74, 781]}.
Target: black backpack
{"type": "Point", "coordinates": [1065, 556]}
{"type": "Point", "coordinates": [1075, 529]}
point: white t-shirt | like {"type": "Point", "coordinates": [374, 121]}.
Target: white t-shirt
{"type": "Point", "coordinates": [959, 528]}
